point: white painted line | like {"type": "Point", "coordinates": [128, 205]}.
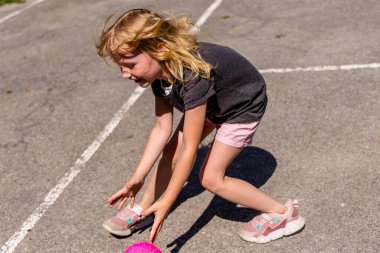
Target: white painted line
{"type": "Point", "coordinates": [202, 19]}
{"type": "Point", "coordinates": [15, 13]}
{"type": "Point", "coordinates": [323, 68]}
{"type": "Point", "coordinates": [53, 195]}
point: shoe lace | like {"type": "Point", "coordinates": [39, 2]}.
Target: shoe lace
{"type": "Point", "coordinates": [261, 219]}
{"type": "Point", "coordinates": [126, 213]}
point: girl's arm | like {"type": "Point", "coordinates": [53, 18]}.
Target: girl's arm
{"type": "Point", "coordinates": [192, 134]}
{"type": "Point", "coordinates": [158, 138]}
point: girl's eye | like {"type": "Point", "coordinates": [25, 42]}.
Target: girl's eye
{"type": "Point", "coordinates": [130, 65]}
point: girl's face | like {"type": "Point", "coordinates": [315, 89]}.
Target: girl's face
{"type": "Point", "coordinates": [140, 67]}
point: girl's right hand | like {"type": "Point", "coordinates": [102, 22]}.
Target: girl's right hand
{"type": "Point", "coordinates": [128, 191]}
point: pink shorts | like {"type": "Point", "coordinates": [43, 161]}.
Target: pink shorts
{"type": "Point", "coordinates": [234, 134]}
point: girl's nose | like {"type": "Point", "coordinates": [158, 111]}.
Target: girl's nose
{"type": "Point", "coordinates": [125, 73]}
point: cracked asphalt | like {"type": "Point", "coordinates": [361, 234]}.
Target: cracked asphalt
{"type": "Point", "coordinates": [319, 141]}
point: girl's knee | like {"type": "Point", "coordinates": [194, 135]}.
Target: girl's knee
{"type": "Point", "coordinates": [168, 157]}
{"type": "Point", "coordinates": [171, 150]}
{"type": "Point", "coordinates": [211, 183]}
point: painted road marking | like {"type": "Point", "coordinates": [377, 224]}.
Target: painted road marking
{"type": "Point", "coordinates": [15, 13]}
{"type": "Point", "coordinates": [323, 68]}
{"type": "Point", "coordinates": [202, 19]}
{"type": "Point", "coordinates": [53, 195]}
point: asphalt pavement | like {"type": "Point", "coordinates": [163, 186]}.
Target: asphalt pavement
{"type": "Point", "coordinates": [319, 141]}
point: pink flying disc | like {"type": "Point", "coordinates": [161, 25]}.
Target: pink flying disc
{"type": "Point", "coordinates": [142, 247]}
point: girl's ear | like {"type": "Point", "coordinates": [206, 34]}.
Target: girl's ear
{"type": "Point", "coordinates": [163, 50]}
{"type": "Point", "coordinates": [161, 46]}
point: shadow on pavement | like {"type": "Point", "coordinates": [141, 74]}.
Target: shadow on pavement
{"type": "Point", "coordinates": [253, 164]}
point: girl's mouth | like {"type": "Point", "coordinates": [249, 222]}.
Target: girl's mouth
{"type": "Point", "coordinates": [138, 80]}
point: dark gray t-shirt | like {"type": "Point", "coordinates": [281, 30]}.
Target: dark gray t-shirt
{"type": "Point", "coordinates": [235, 94]}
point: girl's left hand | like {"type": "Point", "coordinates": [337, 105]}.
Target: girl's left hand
{"type": "Point", "coordinates": [161, 210]}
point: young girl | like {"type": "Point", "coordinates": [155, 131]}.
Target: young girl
{"type": "Point", "coordinates": [215, 88]}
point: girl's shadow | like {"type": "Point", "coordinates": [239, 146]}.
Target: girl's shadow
{"type": "Point", "coordinates": [253, 164]}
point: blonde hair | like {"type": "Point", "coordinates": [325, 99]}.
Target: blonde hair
{"type": "Point", "coordinates": [168, 40]}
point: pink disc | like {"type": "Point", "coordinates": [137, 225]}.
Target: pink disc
{"type": "Point", "coordinates": [142, 247]}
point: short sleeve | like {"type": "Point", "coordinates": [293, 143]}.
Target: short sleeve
{"type": "Point", "coordinates": [156, 88]}
{"type": "Point", "coordinates": [197, 91]}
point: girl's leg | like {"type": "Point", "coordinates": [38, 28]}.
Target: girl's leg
{"type": "Point", "coordinates": [161, 175]}
{"type": "Point", "coordinates": [213, 178]}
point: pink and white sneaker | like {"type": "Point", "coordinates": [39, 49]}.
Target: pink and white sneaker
{"type": "Point", "coordinates": [127, 221]}
{"type": "Point", "coordinates": [267, 227]}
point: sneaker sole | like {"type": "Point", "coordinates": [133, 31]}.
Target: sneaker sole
{"type": "Point", "coordinates": [290, 228]}
{"type": "Point", "coordinates": [138, 226]}
{"type": "Point", "coordinates": [116, 232]}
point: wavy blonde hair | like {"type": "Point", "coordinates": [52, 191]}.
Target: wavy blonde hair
{"type": "Point", "coordinates": [141, 29]}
